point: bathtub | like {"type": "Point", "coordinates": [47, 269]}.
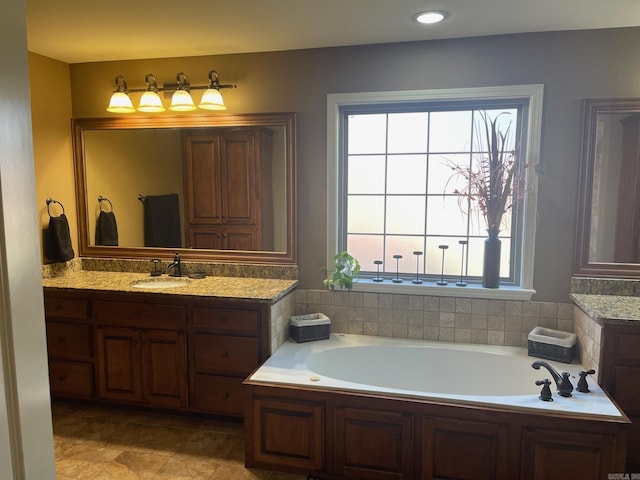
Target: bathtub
{"type": "Point", "coordinates": [467, 373]}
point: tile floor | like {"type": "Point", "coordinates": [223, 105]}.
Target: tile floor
{"type": "Point", "coordinates": [103, 443]}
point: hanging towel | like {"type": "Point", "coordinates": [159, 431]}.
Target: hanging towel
{"type": "Point", "coordinates": [106, 229]}
{"type": "Point", "coordinates": [58, 248]}
{"type": "Point", "coordinates": [162, 221]}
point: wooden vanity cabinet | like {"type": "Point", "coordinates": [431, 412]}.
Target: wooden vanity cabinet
{"type": "Point", "coordinates": [70, 346]}
{"type": "Point", "coordinates": [620, 376]}
{"type": "Point", "coordinates": [141, 352]}
{"type": "Point", "coordinates": [226, 344]}
{"type": "Point", "coordinates": [228, 188]}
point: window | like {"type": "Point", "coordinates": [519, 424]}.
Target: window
{"type": "Point", "coordinates": [395, 202]}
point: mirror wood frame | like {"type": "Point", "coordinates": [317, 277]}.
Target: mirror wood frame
{"type": "Point", "coordinates": [583, 266]}
{"type": "Point", "coordinates": [286, 120]}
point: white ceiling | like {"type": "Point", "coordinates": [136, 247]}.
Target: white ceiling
{"type": "Point", "coordinates": [76, 31]}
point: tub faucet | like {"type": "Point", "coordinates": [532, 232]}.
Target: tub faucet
{"type": "Point", "coordinates": [563, 384]}
{"type": "Point", "coordinates": [176, 266]}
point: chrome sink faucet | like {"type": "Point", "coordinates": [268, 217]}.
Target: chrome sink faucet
{"type": "Point", "coordinates": [563, 384]}
{"type": "Point", "coordinates": [176, 266]}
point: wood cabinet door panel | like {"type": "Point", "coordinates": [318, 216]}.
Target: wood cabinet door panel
{"type": "Point", "coordinates": [225, 321]}
{"type": "Point", "coordinates": [239, 197]}
{"type": "Point", "coordinates": [66, 307]}
{"type": "Point", "coordinates": [71, 378]}
{"type": "Point", "coordinates": [164, 365]}
{"type": "Point", "coordinates": [119, 370]}
{"type": "Point", "coordinates": [226, 355]}
{"type": "Point", "coordinates": [484, 446]}
{"type": "Point", "coordinates": [626, 388]}
{"type": "Point", "coordinates": [290, 434]}
{"type": "Point", "coordinates": [556, 454]}
{"type": "Point", "coordinates": [217, 394]}
{"type": "Point", "coordinates": [69, 340]}
{"type": "Point", "coordinates": [202, 179]}
{"type": "Point", "coordinates": [627, 346]}
{"type": "Point", "coordinates": [373, 445]}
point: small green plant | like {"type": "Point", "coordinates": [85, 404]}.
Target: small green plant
{"type": "Point", "coordinates": [346, 268]}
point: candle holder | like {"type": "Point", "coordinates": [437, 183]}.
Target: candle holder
{"type": "Point", "coordinates": [397, 279]}
{"type": "Point", "coordinates": [442, 281]}
{"type": "Point", "coordinates": [377, 278]}
{"type": "Point", "coordinates": [417, 281]}
{"type": "Point", "coordinates": [463, 264]}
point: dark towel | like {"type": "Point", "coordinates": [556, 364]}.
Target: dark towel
{"type": "Point", "coordinates": [58, 248]}
{"type": "Point", "coordinates": [162, 221]}
{"type": "Point", "coordinates": [106, 229]}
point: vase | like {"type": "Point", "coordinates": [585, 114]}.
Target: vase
{"type": "Point", "coordinates": [491, 266]}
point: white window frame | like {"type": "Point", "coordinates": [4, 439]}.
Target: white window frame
{"type": "Point", "coordinates": [532, 93]}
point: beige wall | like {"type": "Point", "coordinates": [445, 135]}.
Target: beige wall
{"type": "Point", "coordinates": [51, 121]}
{"type": "Point", "coordinates": [571, 65]}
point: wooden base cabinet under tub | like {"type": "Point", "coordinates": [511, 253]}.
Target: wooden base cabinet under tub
{"type": "Point", "coordinates": [339, 435]}
{"type": "Point", "coordinates": [166, 351]}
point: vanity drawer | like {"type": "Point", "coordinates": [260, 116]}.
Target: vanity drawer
{"type": "Point", "coordinates": [69, 340]}
{"type": "Point", "coordinates": [71, 378]}
{"type": "Point", "coordinates": [226, 354]}
{"type": "Point", "coordinates": [239, 322]}
{"type": "Point", "coordinates": [66, 307]}
{"type": "Point", "coordinates": [213, 393]}
{"type": "Point", "coordinates": [141, 315]}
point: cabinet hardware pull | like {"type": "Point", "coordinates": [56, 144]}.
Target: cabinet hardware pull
{"type": "Point", "coordinates": [225, 395]}
{"type": "Point", "coordinates": [58, 306]}
{"type": "Point", "coordinates": [61, 339]}
{"type": "Point", "coordinates": [62, 378]}
{"type": "Point", "coordinates": [225, 354]}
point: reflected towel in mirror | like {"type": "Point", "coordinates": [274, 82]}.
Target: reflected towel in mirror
{"type": "Point", "coordinates": [162, 221]}
{"type": "Point", "coordinates": [106, 229]}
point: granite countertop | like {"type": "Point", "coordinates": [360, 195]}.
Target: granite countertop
{"type": "Point", "coordinates": [609, 308]}
{"type": "Point", "coordinates": [225, 288]}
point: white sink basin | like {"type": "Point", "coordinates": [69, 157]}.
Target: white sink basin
{"type": "Point", "coordinates": [165, 282]}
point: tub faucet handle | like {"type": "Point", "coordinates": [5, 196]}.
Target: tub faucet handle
{"type": "Point", "coordinates": [583, 386]}
{"type": "Point", "coordinates": [566, 387]}
{"type": "Point", "coordinates": [545, 393]}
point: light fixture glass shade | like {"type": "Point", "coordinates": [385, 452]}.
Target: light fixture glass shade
{"type": "Point", "coordinates": [431, 17]}
{"type": "Point", "coordinates": [120, 103]}
{"type": "Point", "coordinates": [181, 101]}
{"type": "Point", "coordinates": [150, 102]}
{"type": "Point", "coordinates": [212, 100]}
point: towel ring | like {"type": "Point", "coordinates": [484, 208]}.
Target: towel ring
{"type": "Point", "coordinates": [104, 199]}
{"type": "Point", "coordinates": [142, 198]}
{"type": "Point", "coordinates": [49, 202]}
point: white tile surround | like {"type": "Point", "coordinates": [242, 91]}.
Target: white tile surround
{"type": "Point", "coordinates": [451, 319]}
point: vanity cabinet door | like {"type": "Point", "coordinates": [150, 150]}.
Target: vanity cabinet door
{"type": "Point", "coordinates": [119, 366]}
{"type": "Point", "coordinates": [164, 366]}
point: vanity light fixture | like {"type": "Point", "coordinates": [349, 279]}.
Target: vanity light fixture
{"type": "Point", "coordinates": [181, 100]}
{"type": "Point", "coordinates": [430, 17]}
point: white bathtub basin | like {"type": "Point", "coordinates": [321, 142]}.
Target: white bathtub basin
{"type": "Point", "coordinates": [470, 373]}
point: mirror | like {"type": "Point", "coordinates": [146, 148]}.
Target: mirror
{"type": "Point", "coordinates": [213, 188]}
{"type": "Point", "coordinates": [608, 223]}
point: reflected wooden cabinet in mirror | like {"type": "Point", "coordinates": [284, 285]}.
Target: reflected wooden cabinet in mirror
{"type": "Point", "coordinates": [607, 240]}
{"type": "Point", "coordinates": [233, 177]}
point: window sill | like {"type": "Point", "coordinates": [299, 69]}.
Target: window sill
{"type": "Point", "coordinates": [450, 290]}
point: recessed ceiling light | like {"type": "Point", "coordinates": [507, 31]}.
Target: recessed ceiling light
{"type": "Point", "coordinates": [430, 17]}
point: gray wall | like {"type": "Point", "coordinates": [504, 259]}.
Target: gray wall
{"type": "Point", "coordinates": [571, 65]}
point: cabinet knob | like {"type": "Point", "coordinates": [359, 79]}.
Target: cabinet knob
{"type": "Point", "coordinates": [61, 340]}
{"type": "Point", "coordinates": [225, 396]}
{"type": "Point", "coordinates": [62, 378]}
{"type": "Point", "coordinates": [58, 306]}
{"type": "Point", "coordinates": [225, 354]}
